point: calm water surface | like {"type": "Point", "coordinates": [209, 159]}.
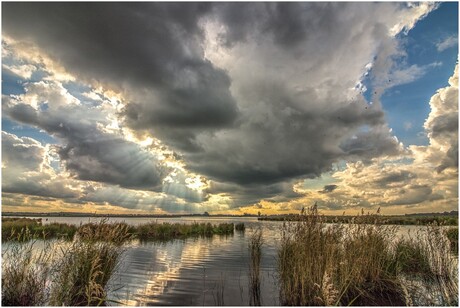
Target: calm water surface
{"type": "Point", "coordinates": [194, 271]}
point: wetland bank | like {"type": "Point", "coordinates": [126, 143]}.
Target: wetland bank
{"type": "Point", "coordinates": [303, 263]}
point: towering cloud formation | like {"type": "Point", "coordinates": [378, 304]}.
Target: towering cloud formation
{"type": "Point", "coordinates": [425, 177]}
{"type": "Point", "coordinates": [442, 126]}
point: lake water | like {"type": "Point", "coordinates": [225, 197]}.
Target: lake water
{"type": "Point", "coordinates": [194, 271]}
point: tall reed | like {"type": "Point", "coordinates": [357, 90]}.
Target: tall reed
{"type": "Point", "coordinates": [255, 252]}
{"type": "Point", "coordinates": [368, 274]}
{"type": "Point", "coordinates": [321, 264]}
{"type": "Point", "coordinates": [305, 259]}
{"type": "Point", "coordinates": [361, 263]}
{"type": "Point", "coordinates": [81, 277]}
{"type": "Point", "coordinates": [452, 236]}
{"type": "Point", "coordinates": [24, 273]}
{"type": "Point", "coordinates": [444, 265]}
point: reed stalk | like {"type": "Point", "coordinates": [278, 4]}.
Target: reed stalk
{"type": "Point", "coordinates": [255, 252]}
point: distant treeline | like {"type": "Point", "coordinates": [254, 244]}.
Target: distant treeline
{"type": "Point", "coordinates": [77, 214]}
{"type": "Point", "coordinates": [418, 219]}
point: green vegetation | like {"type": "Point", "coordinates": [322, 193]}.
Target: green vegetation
{"type": "Point", "coordinates": [116, 233]}
{"type": "Point", "coordinates": [361, 264]}
{"type": "Point", "coordinates": [166, 230]}
{"type": "Point", "coordinates": [12, 227]}
{"type": "Point", "coordinates": [412, 258]}
{"type": "Point", "coordinates": [446, 220]}
{"type": "Point", "coordinates": [255, 252]}
{"type": "Point", "coordinates": [452, 235]}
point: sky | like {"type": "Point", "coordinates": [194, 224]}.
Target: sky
{"type": "Point", "coordinates": [230, 108]}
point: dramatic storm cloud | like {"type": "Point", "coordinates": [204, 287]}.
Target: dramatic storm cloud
{"type": "Point", "coordinates": [211, 106]}
{"type": "Point", "coordinates": [88, 152]}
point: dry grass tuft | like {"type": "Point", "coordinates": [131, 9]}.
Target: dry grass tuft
{"type": "Point", "coordinates": [24, 280]}
{"type": "Point", "coordinates": [361, 264]}
{"type": "Point", "coordinates": [321, 264]}
{"type": "Point", "coordinates": [87, 265]}
{"type": "Point", "coordinates": [255, 251]}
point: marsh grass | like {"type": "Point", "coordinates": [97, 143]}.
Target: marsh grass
{"type": "Point", "coordinates": [367, 273]}
{"type": "Point", "coordinates": [116, 233]}
{"type": "Point", "coordinates": [86, 266]}
{"type": "Point", "coordinates": [255, 252]}
{"type": "Point", "coordinates": [165, 231]}
{"type": "Point", "coordinates": [452, 236]}
{"type": "Point", "coordinates": [361, 263]}
{"type": "Point", "coordinates": [104, 231]}
{"type": "Point", "coordinates": [83, 273]}
{"type": "Point", "coordinates": [75, 275]}
{"type": "Point", "coordinates": [429, 269]}
{"type": "Point", "coordinates": [304, 258]}
{"type": "Point", "coordinates": [240, 227]}
{"type": "Point", "coordinates": [321, 265]}
{"type": "Point", "coordinates": [12, 227]}
{"type": "Point", "coordinates": [412, 258]}
{"type": "Point", "coordinates": [24, 280]}
{"type": "Point", "coordinates": [444, 266]}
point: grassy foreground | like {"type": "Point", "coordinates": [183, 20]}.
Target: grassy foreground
{"type": "Point", "coordinates": [319, 264]}
{"type": "Point", "coordinates": [364, 264]}
{"type": "Point", "coordinates": [74, 275]}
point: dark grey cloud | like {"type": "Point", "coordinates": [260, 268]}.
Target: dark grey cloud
{"type": "Point", "coordinates": [397, 177]}
{"type": "Point", "coordinates": [253, 193]}
{"type": "Point", "coordinates": [329, 188]}
{"type": "Point", "coordinates": [139, 47]}
{"type": "Point", "coordinates": [450, 160]}
{"type": "Point", "coordinates": [444, 124]}
{"type": "Point", "coordinates": [414, 194]}
{"type": "Point", "coordinates": [86, 151]}
{"type": "Point", "coordinates": [104, 158]}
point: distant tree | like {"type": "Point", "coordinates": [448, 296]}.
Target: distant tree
{"type": "Point", "coordinates": [258, 213]}
{"type": "Point", "coordinates": [206, 214]}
